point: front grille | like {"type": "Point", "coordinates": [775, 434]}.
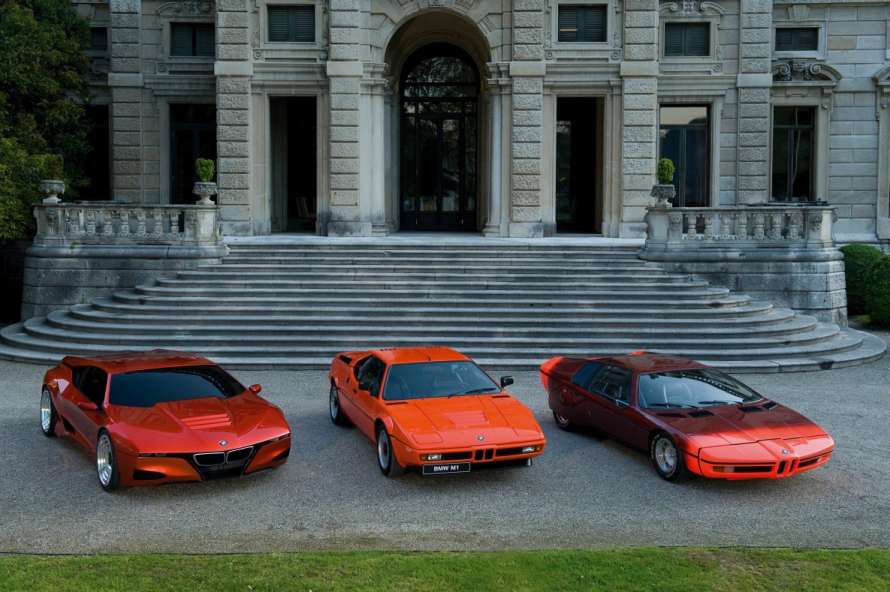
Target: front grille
{"type": "Point", "coordinates": [781, 468]}
{"type": "Point", "coordinates": [239, 454]}
{"type": "Point", "coordinates": [209, 459]}
{"type": "Point", "coordinates": [456, 455]}
{"type": "Point", "coordinates": [808, 462]}
{"type": "Point", "coordinates": [486, 454]}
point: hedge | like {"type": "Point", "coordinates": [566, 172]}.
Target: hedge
{"type": "Point", "coordinates": [859, 260]}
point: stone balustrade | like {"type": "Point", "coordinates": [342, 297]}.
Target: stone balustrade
{"type": "Point", "coordinates": [784, 254]}
{"type": "Point", "coordinates": [773, 226]}
{"type": "Point", "coordinates": [109, 223]}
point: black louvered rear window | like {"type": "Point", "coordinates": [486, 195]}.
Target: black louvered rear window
{"type": "Point", "coordinates": [582, 23]}
{"type": "Point", "coordinates": [797, 39]}
{"type": "Point", "coordinates": [192, 39]}
{"type": "Point", "coordinates": [292, 23]}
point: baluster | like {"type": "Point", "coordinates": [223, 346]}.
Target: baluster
{"type": "Point", "coordinates": [730, 226]}
{"type": "Point", "coordinates": [174, 224]}
{"type": "Point", "coordinates": [759, 222]}
{"type": "Point", "coordinates": [742, 227]}
{"type": "Point", "coordinates": [775, 229]}
{"type": "Point", "coordinates": [107, 222]}
{"type": "Point", "coordinates": [675, 226]}
{"type": "Point", "coordinates": [712, 225]}
{"type": "Point", "coordinates": [794, 226]}
{"type": "Point", "coordinates": [91, 222]}
{"type": "Point", "coordinates": [140, 222]}
{"type": "Point", "coordinates": [124, 230]}
{"type": "Point", "coordinates": [155, 217]}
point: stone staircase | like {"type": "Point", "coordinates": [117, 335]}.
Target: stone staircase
{"type": "Point", "coordinates": [292, 304]}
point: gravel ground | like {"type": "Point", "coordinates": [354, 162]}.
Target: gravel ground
{"type": "Point", "coordinates": [583, 492]}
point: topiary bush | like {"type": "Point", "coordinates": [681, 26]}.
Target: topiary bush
{"type": "Point", "coordinates": [858, 263]}
{"type": "Point", "coordinates": [205, 169]}
{"type": "Point", "coordinates": [877, 295]}
{"type": "Point", "coordinates": [665, 171]}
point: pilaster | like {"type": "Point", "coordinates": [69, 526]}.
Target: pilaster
{"type": "Point", "coordinates": [233, 69]}
{"type": "Point", "coordinates": [125, 81]}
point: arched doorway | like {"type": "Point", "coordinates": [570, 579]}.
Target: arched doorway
{"type": "Point", "coordinates": [439, 160]}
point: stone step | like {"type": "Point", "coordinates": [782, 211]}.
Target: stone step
{"type": "Point", "coordinates": [76, 321]}
{"type": "Point", "coordinates": [435, 251]}
{"type": "Point", "coordinates": [276, 273]}
{"type": "Point", "coordinates": [436, 259]}
{"type": "Point", "coordinates": [555, 268]}
{"type": "Point", "coordinates": [107, 311]}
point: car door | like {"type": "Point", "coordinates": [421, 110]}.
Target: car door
{"type": "Point", "coordinates": [365, 390]}
{"type": "Point", "coordinates": [572, 395]}
{"type": "Point", "coordinates": [91, 384]}
{"type": "Point", "coordinates": [608, 402]}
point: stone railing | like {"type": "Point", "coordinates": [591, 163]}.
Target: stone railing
{"type": "Point", "coordinates": [109, 223]}
{"type": "Point", "coordinates": [776, 226]}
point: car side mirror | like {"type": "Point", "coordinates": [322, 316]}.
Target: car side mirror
{"type": "Point", "coordinates": [255, 389]}
{"type": "Point", "coordinates": [506, 381]}
{"type": "Point", "coordinates": [87, 406]}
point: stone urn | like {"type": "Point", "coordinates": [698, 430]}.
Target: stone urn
{"type": "Point", "coordinates": [663, 194]}
{"type": "Point", "coordinates": [51, 188]}
{"type": "Point", "coordinates": [204, 190]}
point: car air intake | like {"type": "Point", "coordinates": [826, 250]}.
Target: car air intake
{"type": "Point", "coordinates": [753, 409]}
{"type": "Point", "coordinates": [457, 455]}
{"type": "Point", "coordinates": [238, 455]}
{"type": "Point", "coordinates": [209, 459]}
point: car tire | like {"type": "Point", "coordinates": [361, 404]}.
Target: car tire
{"type": "Point", "coordinates": [335, 410]}
{"type": "Point", "coordinates": [563, 422]}
{"type": "Point", "coordinates": [386, 458]}
{"type": "Point", "coordinates": [667, 459]}
{"type": "Point", "coordinates": [106, 462]}
{"type": "Point", "coordinates": [48, 415]}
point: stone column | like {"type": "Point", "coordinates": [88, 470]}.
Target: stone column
{"type": "Point", "coordinates": [527, 71]}
{"type": "Point", "coordinates": [493, 214]}
{"type": "Point", "coordinates": [345, 70]}
{"type": "Point", "coordinates": [233, 70]}
{"type": "Point", "coordinates": [754, 105]}
{"type": "Point", "coordinates": [374, 166]}
{"type": "Point", "coordinates": [125, 81]}
{"type": "Point", "coordinates": [639, 148]}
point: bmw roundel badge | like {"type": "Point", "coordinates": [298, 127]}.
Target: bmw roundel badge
{"type": "Point", "coordinates": [223, 442]}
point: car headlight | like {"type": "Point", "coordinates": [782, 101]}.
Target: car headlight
{"type": "Point", "coordinates": [527, 449]}
{"type": "Point", "coordinates": [436, 456]}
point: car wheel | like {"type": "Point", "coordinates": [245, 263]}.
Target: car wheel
{"type": "Point", "coordinates": [386, 458]}
{"type": "Point", "coordinates": [667, 459]}
{"type": "Point", "coordinates": [562, 422]}
{"type": "Point", "coordinates": [337, 416]}
{"type": "Point", "coordinates": [48, 416]}
{"type": "Point", "coordinates": [106, 463]}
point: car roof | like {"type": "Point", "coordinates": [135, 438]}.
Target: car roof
{"type": "Point", "coordinates": [643, 362]}
{"type": "Point", "coordinates": [413, 355]}
{"type": "Point", "coordinates": [130, 361]}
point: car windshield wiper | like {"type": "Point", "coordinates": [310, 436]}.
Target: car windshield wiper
{"type": "Point", "coordinates": [680, 405]}
{"type": "Point", "coordinates": [477, 391]}
{"type": "Point", "coordinates": [717, 403]}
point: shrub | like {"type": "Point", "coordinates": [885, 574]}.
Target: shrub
{"type": "Point", "coordinates": [665, 172]}
{"type": "Point", "coordinates": [858, 263]}
{"type": "Point", "coordinates": [877, 296]}
{"type": "Point", "coordinates": [205, 169]}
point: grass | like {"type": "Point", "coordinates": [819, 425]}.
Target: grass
{"type": "Point", "coordinates": [615, 570]}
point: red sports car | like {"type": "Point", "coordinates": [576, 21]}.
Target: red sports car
{"type": "Point", "coordinates": [162, 416]}
{"type": "Point", "coordinates": [692, 419]}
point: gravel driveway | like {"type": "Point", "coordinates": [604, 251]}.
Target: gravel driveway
{"type": "Point", "coordinates": [583, 492]}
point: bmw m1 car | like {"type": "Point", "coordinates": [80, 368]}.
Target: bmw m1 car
{"type": "Point", "coordinates": [432, 409]}
{"type": "Point", "coordinates": [692, 419]}
{"type": "Point", "coordinates": [161, 417]}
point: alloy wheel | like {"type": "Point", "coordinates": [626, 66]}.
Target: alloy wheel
{"type": "Point", "coordinates": [104, 460]}
{"type": "Point", "coordinates": [46, 411]}
{"type": "Point", "coordinates": [665, 456]}
{"type": "Point", "coordinates": [384, 450]}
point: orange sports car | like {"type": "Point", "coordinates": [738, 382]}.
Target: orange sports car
{"type": "Point", "coordinates": [692, 419]}
{"type": "Point", "coordinates": [160, 417]}
{"type": "Point", "coordinates": [432, 408]}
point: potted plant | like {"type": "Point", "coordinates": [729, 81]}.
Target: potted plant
{"type": "Point", "coordinates": [205, 188]}
{"type": "Point", "coordinates": [664, 191]}
{"type": "Point", "coordinates": [53, 185]}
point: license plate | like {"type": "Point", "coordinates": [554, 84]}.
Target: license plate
{"type": "Point", "coordinates": [446, 468]}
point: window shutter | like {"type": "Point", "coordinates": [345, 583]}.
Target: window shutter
{"type": "Point", "coordinates": [98, 38]}
{"type": "Point", "coordinates": [698, 39]}
{"type": "Point", "coordinates": [278, 23]}
{"type": "Point", "coordinates": [568, 23]}
{"type": "Point", "coordinates": [302, 21]}
{"type": "Point", "coordinates": [181, 39]}
{"type": "Point", "coordinates": [204, 40]}
{"type": "Point", "coordinates": [673, 39]}
{"type": "Point", "coordinates": [594, 25]}
{"type": "Point", "coordinates": [807, 40]}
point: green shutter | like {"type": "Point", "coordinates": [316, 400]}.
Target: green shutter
{"type": "Point", "coordinates": [204, 40]}
{"type": "Point", "coordinates": [181, 39]}
{"type": "Point", "coordinates": [698, 39]}
{"type": "Point", "coordinates": [568, 23]}
{"type": "Point", "coordinates": [593, 27]}
{"type": "Point", "coordinates": [278, 23]}
{"type": "Point", "coordinates": [797, 39]}
{"type": "Point", "coordinates": [673, 39]}
{"type": "Point", "coordinates": [302, 22]}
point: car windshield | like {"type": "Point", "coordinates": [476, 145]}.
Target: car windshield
{"type": "Point", "coordinates": [145, 388]}
{"type": "Point", "coordinates": [428, 380]}
{"type": "Point", "coordinates": [700, 387]}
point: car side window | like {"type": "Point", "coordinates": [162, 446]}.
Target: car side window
{"type": "Point", "coordinates": [371, 374]}
{"type": "Point", "coordinates": [613, 382]}
{"type": "Point", "coordinates": [92, 384]}
{"type": "Point", "coordinates": [585, 377]}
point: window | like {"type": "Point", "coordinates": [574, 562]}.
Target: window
{"type": "Point", "coordinates": [685, 138]}
{"type": "Point", "coordinates": [369, 373]}
{"type": "Point", "coordinates": [91, 382]}
{"type": "Point", "coordinates": [797, 39]}
{"type": "Point", "coordinates": [192, 39]}
{"type": "Point", "coordinates": [587, 374]}
{"type": "Point", "coordinates": [582, 23]}
{"type": "Point", "coordinates": [793, 153]}
{"type": "Point", "coordinates": [428, 380]}
{"type": "Point", "coordinates": [292, 23]}
{"type": "Point", "coordinates": [687, 39]}
{"type": "Point", "coordinates": [98, 38]}
{"type": "Point", "coordinates": [147, 388]}
{"type": "Point", "coordinates": [613, 382]}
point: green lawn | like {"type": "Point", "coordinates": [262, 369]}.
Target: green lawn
{"type": "Point", "coordinates": [657, 569]}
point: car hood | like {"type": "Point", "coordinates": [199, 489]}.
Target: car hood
{"type": "Point", "coordinates": [465, 421]}
{"type": "Point", "coordinates": [730, 424]}
{"type": "Point", "coordinates": [199, 424]}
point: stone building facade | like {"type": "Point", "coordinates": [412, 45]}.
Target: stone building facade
{"type": "Point", "coordinates": [517, 118]}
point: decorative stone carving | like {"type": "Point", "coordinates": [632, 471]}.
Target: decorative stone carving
{"type": "Point", "coordinates": [204, 190]}
{"type": "Point", "coordinates": [51, 188]}
{"type": "Point", "coordinates": [791, 71]}
{"type": "Point", "coordinates": [691, 8]}
{"type": "Point", "coordinates": [188, 8]}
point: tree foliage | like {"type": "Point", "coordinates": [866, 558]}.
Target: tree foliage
{"type": "Point", "coordinates": [43, 92]}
